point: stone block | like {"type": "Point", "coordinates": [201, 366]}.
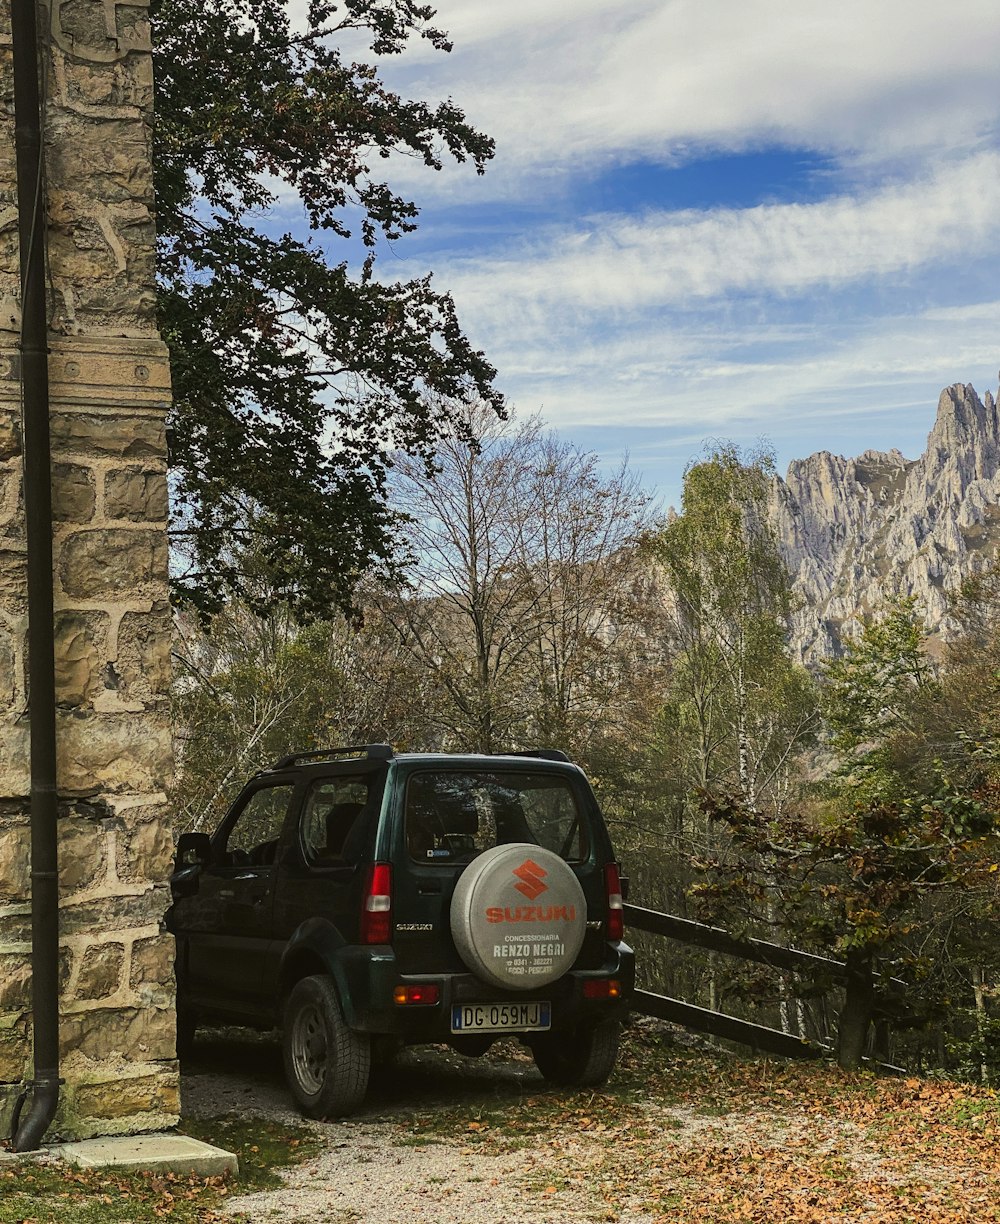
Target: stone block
{"type": "Point", "coordinates": [147, 1096]}
{"type": "Point", "coordinates": [116, 168]}
{"type": "Point", "coordinates": [74, 493]}
{"type": "Point", "coordinates": [119, 1097]}
{"type": "Point", "coordinates": [15, 926]}
{"type": "Point", "coordinates": [80, 649]}
{"type": "Point", "coordinates": [11, 512]}
{"type": "Point", "coordinates": [10, 436]}
{"type": "Point", "coordinates": [113, 563]}
{"type": "Point", "coordinates": [144, 653]}
{"type": "Point", "coordinates": [152, 960]}
{"type": "Point", "coordinates": [13, 581]}
{"type": "Point", "coordinates": [10, 483]}
{"type": "Point", "coordinates": [82, 23]}
{"type": "Point", "coordinates": [130, 84]}
{"type": "Point", "coordinates": [113, 913]}
{"type": "Point", "coordinates": [101, 971]}
{"type": "Point", "coordinates": [152, 971]}
{"type": "Point", "coordinates": [98, 1034]}
{"type": "Point", "coordinates": [10, 672]}
{"type": "Point", "coordinates": [15, 1048]}
{"type": "Point", "coordinates": [15, 774]}
{"type": "Point", "coordinates": [137, 1034]}
{"type": "Point", "coordinates": [148, 853]}
{"type": "Point", "coordinates": [15, 866]}
{"type": "Point", "coordinates": [113, 752]}
{"type": "Point", "coordinates": [82, 854]}
{"type": "Point", "coordinates": [136, 494]}
{"type": "Point", "coordinates": [122, 436]}
{"type": "Point", "coordinates": [15, 982]}
{"type": "Point", "coordinates": [8, 1100]}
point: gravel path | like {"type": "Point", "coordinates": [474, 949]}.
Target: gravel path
{"type": "Point", "coordinates": [373, 1168]}
{"type": "Point", "coordinates": [456, 1141]}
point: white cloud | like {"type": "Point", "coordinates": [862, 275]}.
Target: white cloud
{"type": "Point", "coordinates": [577, 85]}
{"type": "Point", "coordinates": [664, 389]}
{"type": "Point", "coordinates": [623, 265]}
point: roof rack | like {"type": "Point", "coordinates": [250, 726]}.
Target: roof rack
{"type": "Point", "coordinates": [374, 752]}
{"type": "Point", "coordinates": [542, 754]}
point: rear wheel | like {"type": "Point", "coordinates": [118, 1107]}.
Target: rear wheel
{"type": "Point", "coordinates": [327, 1065]}
{"type": "Point", "coordinates": [581, 1059]}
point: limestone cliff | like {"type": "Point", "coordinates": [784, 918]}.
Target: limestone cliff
{"type": "Point", "coordinates": [855, 532]}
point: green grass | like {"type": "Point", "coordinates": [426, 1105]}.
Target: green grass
{"type": "Point", "coordinates": [33, 1193]}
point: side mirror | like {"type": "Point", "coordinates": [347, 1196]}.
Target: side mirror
{"type": "Point", "coordinates": [193, 850]}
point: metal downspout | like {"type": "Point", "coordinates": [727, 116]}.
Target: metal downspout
{"type": "Point", "coordinates": [38, 526]}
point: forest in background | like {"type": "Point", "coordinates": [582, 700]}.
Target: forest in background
{"type": "Point", "coordinates": [850, 810]}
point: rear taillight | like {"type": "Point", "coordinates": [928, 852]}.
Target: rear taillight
{"type": "Point", "coordinates": [602, 988]}
{"type": "Point", "coordinates": [376, 914]}
{"type": "Point", "coordinates": [425, 994]}
{"type": "Point", "coordinates": [616, 910]}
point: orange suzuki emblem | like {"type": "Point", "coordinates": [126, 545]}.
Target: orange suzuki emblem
{"type": "Point", "coordinates": [532, 879]}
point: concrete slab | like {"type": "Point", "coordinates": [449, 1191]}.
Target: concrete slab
{"type": "Point", "coordinates": [158, 1153]}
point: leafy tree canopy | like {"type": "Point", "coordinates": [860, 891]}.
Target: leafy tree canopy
{"type": "Point", "coordinates": [296, 369]}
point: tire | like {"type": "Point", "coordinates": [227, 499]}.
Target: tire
{"type": "Point", "coordinates": [582, 1059]}
{"type": "Point", "coordinates": [327, 1065]}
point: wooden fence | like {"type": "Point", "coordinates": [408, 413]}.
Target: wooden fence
{"type": "Point", "coordinates": [890, 1000]}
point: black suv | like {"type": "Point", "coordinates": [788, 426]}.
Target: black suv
{"type": "Point", "coordinates": [362, 900]}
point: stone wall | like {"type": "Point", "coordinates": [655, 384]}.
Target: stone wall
{"type": "Point", "coordinates": [110, 392]}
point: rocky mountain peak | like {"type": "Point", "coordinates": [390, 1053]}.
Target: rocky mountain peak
{"type": "Point", "coordinates": [856, 532]}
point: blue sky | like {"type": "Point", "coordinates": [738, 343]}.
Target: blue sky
{"type": "Point", "coordinates": [741, 219]}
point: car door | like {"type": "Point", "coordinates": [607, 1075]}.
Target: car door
{"type": "Point", "coordinates": [321, 877]}
{"type": "Point", "coordinates": [226, 924]}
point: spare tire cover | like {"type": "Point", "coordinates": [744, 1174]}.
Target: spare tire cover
{"type": "Point", "coordinates": [518, 916]}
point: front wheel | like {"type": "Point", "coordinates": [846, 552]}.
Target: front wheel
{"type": "Point", "coordinates": [327, 1064]}
{"type": "Point", "coordinates": [582, 1059]}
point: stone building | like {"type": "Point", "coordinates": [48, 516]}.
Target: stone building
{"type": "Point", "coordinates": [109, 395]}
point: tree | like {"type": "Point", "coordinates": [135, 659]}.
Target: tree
{"type": "Point", "coordinates": [525, 588]}
{"type": "Point", "coordinates": [255, 686]}
{"type": "Point", "coordinates": [743, 706]}
{"type": "Point", "coordinates": [295, 368]}
{"type": "Point", "coordinates": [890, 861]}
{"type": "Point", "coordinates": [877, 696]}
{"type": "Point", "coordinates": [738, 712]}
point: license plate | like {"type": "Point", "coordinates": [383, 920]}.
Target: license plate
{"type": "Point", "coordinates": [501, 1017]}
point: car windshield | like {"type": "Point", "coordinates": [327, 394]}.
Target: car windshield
{"type": "Point", "coordinates": [452, 816]}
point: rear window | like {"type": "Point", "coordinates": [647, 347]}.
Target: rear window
{"type": "Point", "coordinates": [452, 817]}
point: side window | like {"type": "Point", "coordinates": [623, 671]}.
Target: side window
{"type": "Point", "coordinates": [332, 820]}
{"type": "Point", "coordinates": [253, 839]}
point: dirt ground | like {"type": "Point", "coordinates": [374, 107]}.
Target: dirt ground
{"type": "Point", "coordinates": [680, 1134]}
{"type": "Point", "coordinates": [377, 1166]}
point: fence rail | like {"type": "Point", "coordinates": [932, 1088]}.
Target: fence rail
{"type": "Point", "coordinates": [889, 1001]}
{"type": "Point", "coordinates": [758, 1036]}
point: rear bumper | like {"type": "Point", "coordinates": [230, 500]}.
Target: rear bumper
{"type": "Point", "coordinates": [368, 978]}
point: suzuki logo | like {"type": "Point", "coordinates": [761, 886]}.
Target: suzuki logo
{"type": "Point", "coordinates": [532, 879]}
